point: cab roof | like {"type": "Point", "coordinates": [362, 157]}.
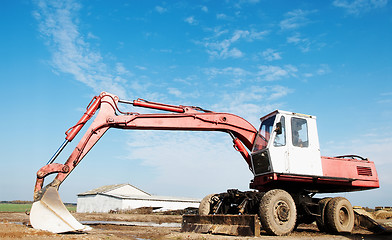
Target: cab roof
{"type": "Point", "coordinates": [287, 113]}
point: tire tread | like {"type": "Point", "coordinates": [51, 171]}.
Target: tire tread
{"type": "Point", "coordinates": [205, 205]}
{"type": "Point", "coordinates": [267, 219]}
{"type": "Point", "coordinates": [332, 210]}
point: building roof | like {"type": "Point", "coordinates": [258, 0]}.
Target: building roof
{"type": "Point", "coordinates": [108, 188]}
{"type": "Point", "coordinates": [133, 193]}
{"type": "Point", "coordinates": [155, 198]}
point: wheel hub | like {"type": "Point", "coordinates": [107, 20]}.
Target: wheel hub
{"type": "Point", "coordinates": [282, 211]}
{"type": "Point", "coordinates": [343, 216]}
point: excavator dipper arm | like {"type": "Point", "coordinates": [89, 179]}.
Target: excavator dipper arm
{"type": "Point", "coordinates": [109, 116]}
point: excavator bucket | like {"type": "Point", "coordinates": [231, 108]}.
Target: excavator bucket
{"type": "Point", "coordinates": [235, 225]}
{"type": "Point", "coordinates": [51, 215]}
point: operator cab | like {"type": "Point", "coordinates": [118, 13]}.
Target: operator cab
{"type": "Point", "coordinates": [287, 143]}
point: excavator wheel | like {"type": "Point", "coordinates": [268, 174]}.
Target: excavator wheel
{"type": "Point", "coordinates": [320, 221]}
{"type": "Point", "coordinates": [339, 216]}
{"type": "Point", "coordinates": [278, 213]}
{"type": "Point", "coordinates": [205, 205]}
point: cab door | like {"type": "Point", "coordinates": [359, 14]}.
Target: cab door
{"type": "Point", "coordinates": [303, 146]}
{"type": "Point", "coordinates": [278, 148]}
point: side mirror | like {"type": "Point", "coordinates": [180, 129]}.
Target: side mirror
{"type": "Point", "coordinates": [278, 128]}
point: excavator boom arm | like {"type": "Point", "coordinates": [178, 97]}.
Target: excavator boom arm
{"type": "Point", "coordinates": [109, 116]}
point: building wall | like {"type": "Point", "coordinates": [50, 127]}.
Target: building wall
{"type": "Point", "coordinates": [97, 203]}
{"type": "Point", "coordinates": [164, 205]}
{"type": "Point", "coordinates": [103, 204]}
{"type": "Point", "coordinates": [128, 197]}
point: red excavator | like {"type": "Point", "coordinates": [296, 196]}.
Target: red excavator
{"type": "Point", "coordinates": [284, 156]}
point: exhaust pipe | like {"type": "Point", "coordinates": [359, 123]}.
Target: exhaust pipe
{"type": "Point", "coordinates": [51, 215]}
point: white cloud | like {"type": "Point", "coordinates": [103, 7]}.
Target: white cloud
{"type": "Point", "coordinates": [294, 39]}
{"type": "Point", "coordinates": [323, 69]}
{"type": "Point", "coordinates": [141, 67]}
{"type": "Point", "coordinates": [239, 3]}
{"type": "Point", "coordinates": [257, 35]}
{"type": "Point", "coordinates": [191, 20]}
{"type": "Point", "coordinates": [189, 80]}
{"type": "Point", "coordinates": [175, 92]}
{"type": "Point", "coordinates": [213, 72]}
{"type": "Point", "coordinates": [165, 50]}
{"type": "Point", "coordinates": [302, 43]}
{"type": "Point", "coordinates": [160, 9]}
{"type": "Point", "coordinates": [263, 73]}
{"type": "Point", "coordinates": [273, 73]}
{"type": "Point", "coordinates": [121, 70]}
{"type": "Point", "coordinates": [271, 55]}
{"type": "Point", "coordinates": [71, 53]}
{"type": "Point", "coordinates": [224, 49]}
{"type": "Point", "coordinates": [90, 35]}
{"type": "Point", "coordinates": [218, 32]}
{"type": "Point", "coordinates": [356, 7]}
{"type": "Point", "coordinates": [386, 94]}
{"type": "Point", "coordinates": [295, 19]}
{"type": "Point", "coordinates": [277, 92]}
{"type": "Point", "coordinates": [252, 102]}
{"type": "Point", "coordinates": [221, 16]}
{"type": "Point", "coordinates": [385, 98]}
{"type": "Point", "coordinates": [236, 75]}
{"type": "Point", "coordinates": [204, 9]}
{"type": "Point", "coordinates": [319, 70]}
{"type": "Point", "coordinates": [231, 53]}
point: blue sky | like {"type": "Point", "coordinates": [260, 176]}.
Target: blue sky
{"type": "Point", "coordinates": [331, 59]}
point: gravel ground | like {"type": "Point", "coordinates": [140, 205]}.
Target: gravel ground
{"type": "Point", "coordinates": [15, 226]}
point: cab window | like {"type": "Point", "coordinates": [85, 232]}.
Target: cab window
{"type": "Point", "coordinates": [264, 134]}
{"type": "Point", "coordinates": [299, 130]}
{"type": "Point", "coordinates": [280, 138]}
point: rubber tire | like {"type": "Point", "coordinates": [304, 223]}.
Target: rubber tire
{"type": "Point", "coordinates": [205, 205]}
{"type": "Point", "coordinates": [339, 216]}
{"type": "Point", "coordinates": [269, 218]}
{"type": "Point", "coordinates": [320, 221]}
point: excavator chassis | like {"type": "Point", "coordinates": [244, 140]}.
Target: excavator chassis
{"type": "Point", "coordinates": [277, 212]}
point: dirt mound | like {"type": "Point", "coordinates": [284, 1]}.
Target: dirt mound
{"type": "Point", "coordinates": [383, 214]}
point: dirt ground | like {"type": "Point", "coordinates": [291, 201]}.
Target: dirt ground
{"type": "Point", "coordinates": [15, 226]}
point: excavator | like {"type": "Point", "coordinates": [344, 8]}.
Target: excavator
{"type": "Point", "coordinates": [283, 155]}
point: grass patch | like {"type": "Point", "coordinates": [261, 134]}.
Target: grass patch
{"type": "Point", "coordinates": [23, 207]}
{"type": "Point", "coordinates": [14, 207]}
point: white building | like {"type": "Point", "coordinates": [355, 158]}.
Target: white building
{"type": "Point", "coordinates": [126, 197]}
